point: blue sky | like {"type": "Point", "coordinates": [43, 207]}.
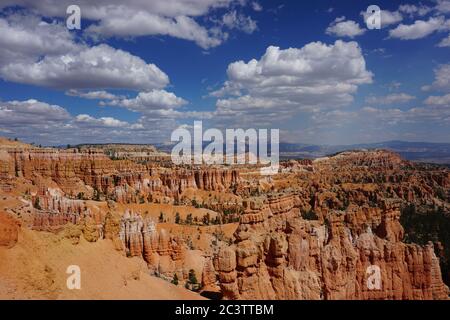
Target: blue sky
{"type": "Point", "coordinates": [135, 72]}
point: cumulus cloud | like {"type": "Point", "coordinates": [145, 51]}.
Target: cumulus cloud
{"type": "Point", "coordinates": [26, 37]}
{"type": "Point", "coordinates": [371, 124]}
{"type": "Point", "coordinates": [40, 122]}
{"type": "Point", "coordinates": [441, 79]}
{"type": "Point", "coordinates": [390, 99]}
{"type": "Point", "coordinates": [46, 54]}
{"type": "Point", "coordinates": [97, 10]}
{"type": "Point", "coordinates": [36, 114]}
{"type": "Point", "coordinates": [443, 6]}
{"type": "Point", "coordinates": [344, 28]}
{"type": "Point", "coordinates": [30, 112]}
{"type": "Point", "coordinates": [174, 18]}
{"type": "Point", "coordinates": [438, 100]}
{"type": "Point", "coordinates": [284, 82]}
{"type": "Point", "coordinates": [256, 6]}
{"type": "Point", "coordinates": [99, 122]}
{"type": "Point", "coordinates": [94, 95]}
{"type": "Point", "coordinates": [234, 20]}
{"type": "Point", "coordinates": [378, 124]}
{"type": "Point", "coordinates": [419, 29]}
{"type": "Point", "coordinates": [125, 23]}
{"type": "Point", "coordinates": [258, 109]}
{"type": "Point", "coordinates": [445, 42]}
{"type": "Point", "coordinates": [387, 17]}
{"type": "Point", "coordinates": [36, 52]}
{"type": "Point", "coordinates": [98, 67]}
{"type": "Point", "coordinates": [414, 10]}
{"type": "Point", "coordinates": [430, 115]}
{"type": "Point", "coordinates": [150, 101]}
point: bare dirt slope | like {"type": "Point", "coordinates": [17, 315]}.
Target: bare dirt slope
{"type": "Point", "coordinates": [35, 268]}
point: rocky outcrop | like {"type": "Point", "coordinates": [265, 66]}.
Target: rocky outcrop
{"type": "Point", "coordinates": [374, 159]}
{"type": "Point", "coordinates": [164, 253]}
{"type": "Point", "coordinates": [90, 174]}
{"type": "Point", "coordinates": [208, 274]}
{"type": "Point", "coordinates": [279, 255]}
{"type": "Point", "coordinates": [9, 230]}
{"type": "Point", "coordinates": [44, 221]}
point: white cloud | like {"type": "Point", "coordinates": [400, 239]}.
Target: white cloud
{"type": "Point", "coordinates": [390, 99]}
{"type": "Point", "coordinates": [342, 28]}
{"type": "Point", "coordinates": [36, 115]}
{"type": "Point", "coordinates": [445, 42]}
{"type": "Point", "coordinates": [175, 18]}
{"type": "Point", "coordinates": [26, 37]}
{"type": "Point", "coordinates": [95, 95]}
{"type": "Point", "coordinates": [371, 124]}
{"type": "Point", "coordinates": [46, 54]}
{"type": "Point", "coordinates": [101, 8]}
{"type": "Point", "coordinates": [130, 23]}
{"type": "Point", "coordinates": [98, 67]}
{"type": "Point", "coordinates": [430, 115]}
{"type": "Point", "coordinates": [21, 114]}
{"type": "Point", "coordinates": [387, 17]}
{"type": "Point", "coordinates": [234, 20]}
{"type": "Point", "coordinates": [100, 122]}
{"type": "Point", "coordinates": [256, 6]}
{"type": "Point", "coordinates": [443, 6]}
{"type": "Point", "coordinates": [150, 101]}
{"type": "Point", "coordinates": [283, 82]}
{"type": "Point", "coordinates": [419, 29]}
{"type": "Point", "coordinates": [37, 121]}
{"type": "Point", "coordinates": [438, 100]}
{"type": "Point", "coordinates": [414, 10]}
{"type": "Point", "coordinates": [394, 85]}
{"type": "Point", "coordinates": [441, 79]}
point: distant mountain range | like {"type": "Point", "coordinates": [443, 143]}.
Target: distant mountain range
{"type": "Point", "coordinates": [415, 151]}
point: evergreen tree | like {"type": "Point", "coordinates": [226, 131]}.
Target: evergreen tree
{"type": "Point", "coordinates": [175, 279]}
{"type": "Point", "coordinates": [189, 218]}
{"type": "Point", "coordinates": [192, 278]}
{"type": "Point", "coordinates": [37, 204]}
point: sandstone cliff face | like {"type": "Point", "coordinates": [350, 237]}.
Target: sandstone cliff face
{"type": "Point", "coordinates": [9, 230]}
{"type": "Point", "coordinates": [164, 253]}
{"type": "Point", "coordinates": [279, 255]}
{"type": "Point", "coordinates": [370, 176]}
{"type": "Point", "coordinates": [90, 173]}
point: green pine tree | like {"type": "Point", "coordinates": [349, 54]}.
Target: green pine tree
{"type": "Point", "coordinates": [175, 279]}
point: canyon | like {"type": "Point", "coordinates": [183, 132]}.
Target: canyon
{"type": "Point", "coordinates": [222, 232]}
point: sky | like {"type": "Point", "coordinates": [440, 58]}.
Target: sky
{"type": "Point", "coordinates": [137, 70]}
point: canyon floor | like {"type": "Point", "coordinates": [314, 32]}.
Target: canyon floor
{"type": "Point", "coordinates": [139, 227]}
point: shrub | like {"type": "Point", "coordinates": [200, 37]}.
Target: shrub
{"type": "Point", "coordinates": [175, 279]}
{"type": "Point", "coordinates": [37, 204]}
{"type": "Point", "coordinates": [192, 283]}
{"type": "Point", "coordinates": [310, 215]}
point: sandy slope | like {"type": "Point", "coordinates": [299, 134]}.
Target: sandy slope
{"type": "Point", "coordinates": [36, 269]}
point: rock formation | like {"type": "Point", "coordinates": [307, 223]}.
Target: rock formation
{"type": "Point", "coordinates": [320, 229]}
{"type": "Point", "coordinates": [90, 174]}
{"type": "Point", "coordinates": [9, 230]}
{"type": "Point", "coordinates": [279, 255]}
